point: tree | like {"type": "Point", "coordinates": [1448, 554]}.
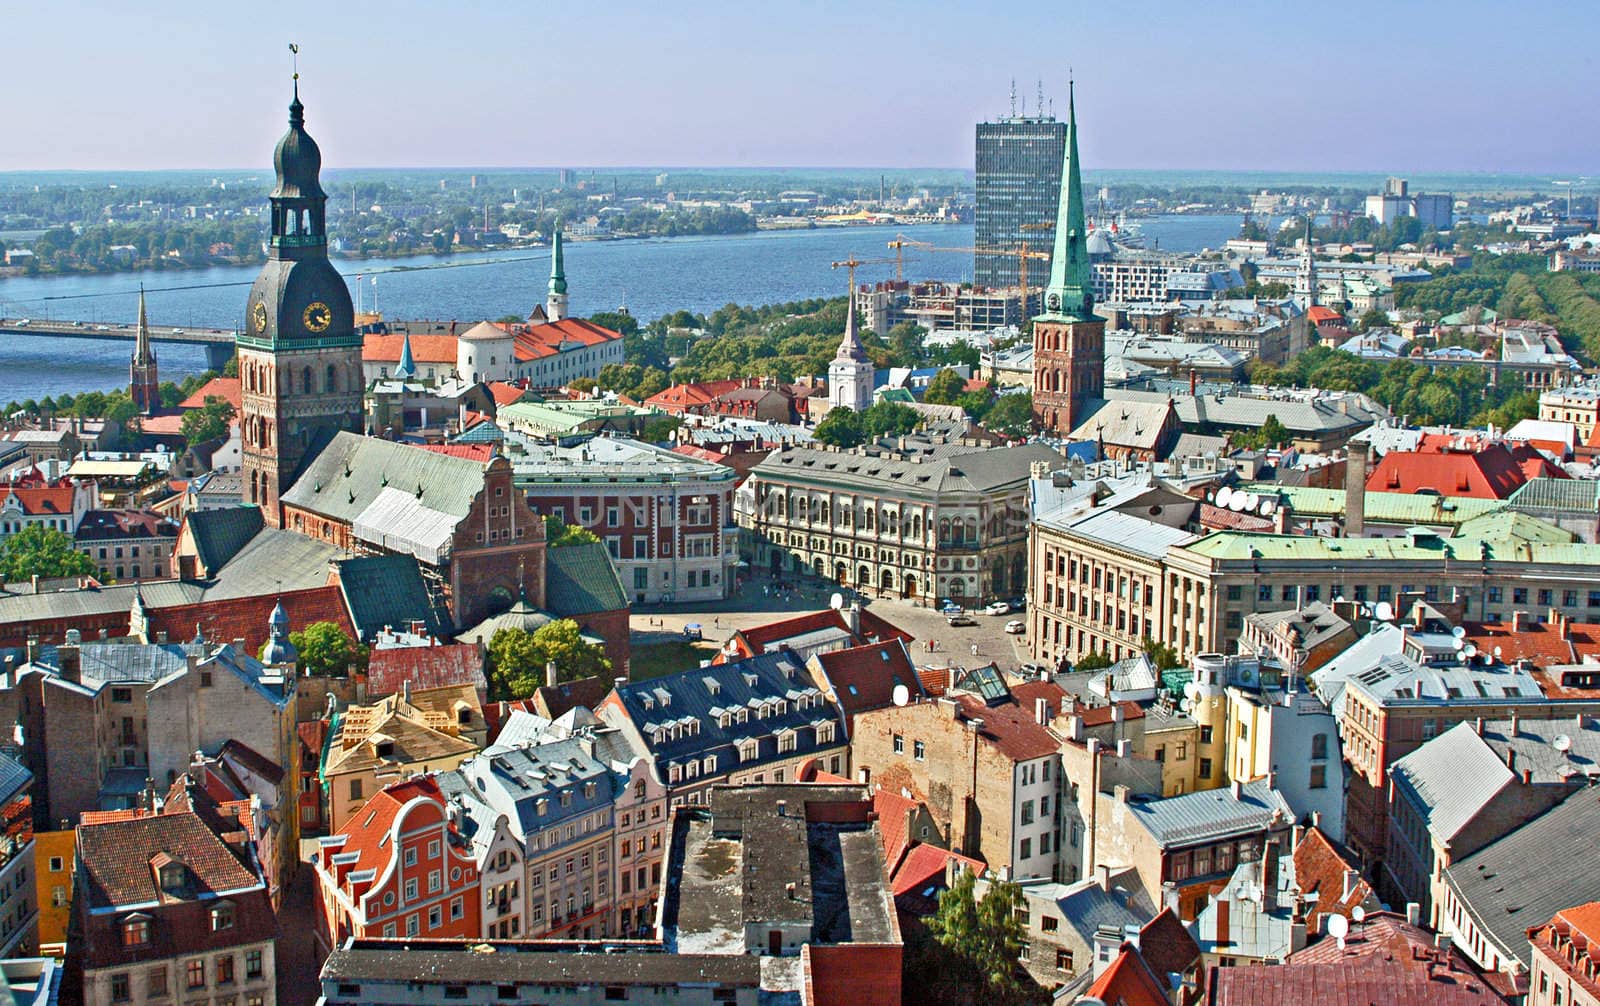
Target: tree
{"type": "Point", "coordinates": [1095, 660]}
{"type": "Point", "coordinates": [558, 533]}
{"type": "Point", "coordinates": [1375, 317]}
{"type": "Point", "coordinates": [658, 429]}
{"type": "Point", "coordinates": [37, 550]}
{"type": "Point", "coordinates": [947, 386]}
{"type": "Point", "coordinates": [985, 937]}
{"type": "Point", "coordinates": [888, 419]}
{"type": "Point", "coordinates": [1162, 655]}
{"type": "Point", "coordinates": [209, 422]}
{"type": "Point", "coordinates": [618, 321]}
{"type": "Point", "coordinates": [841, 427]}
{"type": "Point", "coordinates": [326, 650]}
{"type": "Point", "coordinates": [1011, 415]}
{"type": "Point", "coordinates": [517, 658]}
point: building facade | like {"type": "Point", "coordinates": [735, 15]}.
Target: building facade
{"type": "Point", "coordinates": [1018, 179]}
{"type": "Point", "coordinates": [128, 544]}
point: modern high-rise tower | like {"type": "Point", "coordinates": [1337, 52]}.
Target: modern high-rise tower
{"type": "Point", "coordinates": [1018, 181]}
{"type": "Point", "coordinates": [299, 351]}
{"type": "Point", "coordinates": [1069, 344]}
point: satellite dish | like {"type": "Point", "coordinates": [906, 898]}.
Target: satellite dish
{"type": "Point", "coordinates": [1459, 644]}
{"type": "Point", "coordinates": [836, 602]}
{"type": "Point", "coordinates": [1224, 495]}
{"type": "Point", "coordinates": [1497, 653]}
{"type": "Point", "coordinates": [1459, 631]}
{"type": "Point", "coordinates": [1267, 506]}
{"type": "Point", "coordinates": [1251, 501]}
{"type": "Point", "coordinates": [1384, 612]}
{"type": "Point", "coordinates": [1236, 502]}
{"type": "Point", "coordinates": [1470, 651]}
{"type": "Point", "coordinates": [1563, 743]}
{"type": "Point", "coordinates": [901, 695]}
{"type": "Point", "coordinates": [1338, 927]}
{"type": "Point", "coordinates": [1358, 913]}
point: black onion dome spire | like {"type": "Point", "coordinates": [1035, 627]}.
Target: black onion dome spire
{"type": "Point", "coordinates": [297, 159]}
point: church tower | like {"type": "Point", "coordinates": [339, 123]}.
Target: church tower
{"type": "Point", "coordinates": [850, 373]}
{"type": "Point", "coordinates": [299, 352]}
{"type": "Point", "coordinates": [1305, 279]}
{"type": "Point", "coordinates": [143, 386]}
{"type": "Point", "coordinates": [1069, 348]}
{"type": "Point", "coordinates": [555, 301]}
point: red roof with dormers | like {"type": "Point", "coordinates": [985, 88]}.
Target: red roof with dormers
{"type": "Point", "coordinates": [864, 677]}
{"type": "Point", "coordinates": [1480, 471]}
{"type": "Point", "coordinates": [536, 342]}
{"type": "Point", "coordinates": [367, 831]}
{"type": "Point", "coordinates": [1129, 981]}
{"type": "Point", "coordinates": [41, 500]}
{"type": "Point", "coordinates": [873, 628]}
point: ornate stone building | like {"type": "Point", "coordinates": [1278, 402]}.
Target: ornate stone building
{"type": "Point", "coordinates": [1068, 340]}
{"type": "Point", "coordinates": [923, 521]}
{"type": "Point", "coordinates": [299, 352]}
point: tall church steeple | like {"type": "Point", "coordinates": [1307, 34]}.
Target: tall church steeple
{"type": "Point", "coordinates": [143, 385]}
{"type": "Point", "coordinates": [850, 373]}
{"type": "Point", "coordinates": [1071, 290]}
{"type": "Point", "coordinates": [299, 351]}
{"type": "Point", "coordinates": [1069, 355]}
{"type": "Point", "coordinates": [555, 301]}
{"type": "Point", "coordinates": [1305, 279]}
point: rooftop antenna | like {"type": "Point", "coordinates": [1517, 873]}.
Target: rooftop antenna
{"type": "Point", "coordinates": [1013, 97]}
{"type": "Point", "coordinates": [1038, 106]}
{"type": "Point", "coordinates": [294, 59]}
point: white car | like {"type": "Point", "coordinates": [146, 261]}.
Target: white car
{"type": "Point", "coordinates": [997, 608]}
{"type": "Point", "coordinates": [1016, 627]}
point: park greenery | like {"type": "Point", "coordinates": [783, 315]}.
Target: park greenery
{"type": "Point", "coordinates": [209, 422]}
{"type": "Point", "coordinates": [517, 658]}
{"type": "Point", "coordinates": [41, 551]}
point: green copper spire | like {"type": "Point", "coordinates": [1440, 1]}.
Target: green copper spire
{"type": "Point", "coordinates": [558, 272]}
{"type": "Point", "coordinates": [1071, 290]}
{"type": "Point", "coordinates": [406, 369]}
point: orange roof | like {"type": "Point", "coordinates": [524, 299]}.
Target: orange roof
{"type": "Point", "coordinates": [1010, 726]}
{"type": "Point", "coordinates": [1129, 982]}
{"type": "Point", "coordinates": [935, 680]}
{"type": "Point", "coordinates": [225, 388]}
{"type": "Point", "coordinates": [924, 866]}
{"type": "Point", "coordinates": [424, 349]}
{"type": "Point", "coordinates": [539, 341]}
{"type": "Point", "coordinates": [367, 832]}
{"type": "Point", "coordinates": [43, 499]}
{"type": "Point", "coordinates": [1491, 471]}
{"type": "Point", "coordinates": [1319, 314]}
{"type": "Point", "coordinates": [893, 810]}
{"type": "Point", "coordinates": [165, 423]}
{"type": "Point", "coordinates": [472, 452]}
{"type": "Point", "coordinates": [503, 393]}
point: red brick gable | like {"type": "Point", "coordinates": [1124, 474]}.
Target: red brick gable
{"type": "Point", "coordinates": [246, 617]}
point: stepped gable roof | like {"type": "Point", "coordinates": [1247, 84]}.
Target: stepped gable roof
{"type": "Point", "coordinates": [349, 475]}
{"type": "Point", "coordinates": [582, 580]}
{"type": "Point", "coordinates": [388, 590]}
{"type": "Point", "coordinates": [226, 388]}
{"type": "Point", "coordinates": [390, 668]}
{"type": "Point", "coordinates": [864, 677]}
{"type": "Point", "coordinates": [118, 860]}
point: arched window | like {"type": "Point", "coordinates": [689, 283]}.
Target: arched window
{"type": "Point", "coordinates": [333, 378]}
{"type": "Point", "coordinates": [307, 385]}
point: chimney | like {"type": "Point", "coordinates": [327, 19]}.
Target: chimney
{"type": "Point", "coordinates": [9, 667]}
{"type": "Point", "coordinates": [1351, 879]}
{"type": "Point", "coordinates": [1041, 711]}
{"type": "Point", "coordinates": [1527, 776]}
{"type": "Point", "coordinates": [1075, 728]}
{"type": "Point", "coordinates": [1222, 922]}
{"type": "Point", "coordinates": [1480, 726]}
{"type": "Point", "coordinates": [1194, 383]}
{"type": "Point", "coordinates": [1269, 875]}
{"type": "Point", "coordinates": [1124, 748]}
{"type": "Point", "coordinates": [1238, 790]}
{"type": "Point", "coordinates": [852, 618]}
{"type": "Point", "coordinates": [1513, 724]}
{"type": "Point", "coordinates": [405, 691]}
{"type": "Point", "coordinates": [550, 673]}
{"type": "Point", "coordinates": [1355, 490]}
{"type": "Point", "coordinates": [1122, 793]}
{"type": "Point", "coordinates": [69, 662]}
{"type": "Point", "coordinates": [1105, 877]}
{"type": "Point", "coordinates": [32, 649]}
{"type": "Point", "coordinates": [1519, 621]}
{"type": "Point", "coordinates": [1413, 914]}
{"type": "Point", "coordinates": [1296, 834]}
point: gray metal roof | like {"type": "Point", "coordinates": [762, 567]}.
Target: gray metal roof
{"type": "Point", "coordinates": [350, 473]}
{"type": "Point", "coordinates": [1451, 779]}
{"type": "Point", "coordinates": [1525, 878]}
{"type": "Point", "coordinates": [947, 468]}
{"type": "Point", "coordinates": [535, 787]}
{"type": "Point", "coordinates": [1299, 413]}
{"type": "Point", "coordinates": [1581, 495]}
{"type": "Point", "coordinates": [1211, 814]}
{"type": "Point", "coordinates": [13, 778]}
{"type": "Point", "coordinates": [218, 535]}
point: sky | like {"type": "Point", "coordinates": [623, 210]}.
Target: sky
{"type": "Point", "coordinates": [1279, 85]}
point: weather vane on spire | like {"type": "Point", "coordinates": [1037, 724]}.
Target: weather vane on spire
{"type": "Point", "coordinates": [294, 57]}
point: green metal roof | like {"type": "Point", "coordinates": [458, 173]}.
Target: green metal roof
{"type": "Point", "coordinates": [582, 580]}
{"type": "Point", "coordinates": [1559, 494]}
{"type": "Point", "coordinates": [387, 590]}
{"type": "Point", "coordinates": [1381, 507]}
{"type": "Point", "coordinates": [1501, 537]}
{"type": "Point", "coordinates": [218, 535]}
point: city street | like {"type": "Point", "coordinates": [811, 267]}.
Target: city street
{"type": "Point", "coordinates": [759, 602]}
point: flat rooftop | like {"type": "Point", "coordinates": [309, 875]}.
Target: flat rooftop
{"type": "Point", "coordinates": [447, 962]}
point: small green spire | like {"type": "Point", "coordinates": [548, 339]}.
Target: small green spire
{"type": "Point", "coordinates": [1071, 290]}
{"type": "Point", "coordinates": [558, 272]}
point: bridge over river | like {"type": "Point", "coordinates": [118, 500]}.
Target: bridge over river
{"type": "Point", "coordinates": [218, 342]}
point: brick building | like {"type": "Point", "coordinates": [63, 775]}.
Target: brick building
{"type": "Point", "coordinates": [165, 910]}
{"type": "Point", "coordinates": [465, 523]}
{"type": "Point", "coordinates": [1566, 958]}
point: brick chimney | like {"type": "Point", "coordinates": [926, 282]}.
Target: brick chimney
{"type": "Point", "coordinates": [1222, 922]}
{"type": "Point", "coordinates": [1355, 490]}
{"type": "Point", "coordinates": [1519, 621]}
{"type": "Point", "coordinates": [550, 673]}
{"type": "Point", "coordinates": [69, 662]}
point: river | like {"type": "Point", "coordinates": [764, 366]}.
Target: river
{"type": "Point", "coordinates": [649, 277]}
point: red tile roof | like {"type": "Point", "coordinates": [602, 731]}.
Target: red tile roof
{"type": "Point", "coordinates": [117, 859]}
{"type": "Point", "coordinates": [847, 974]}
{"type": "Point", "coordinates": [1319, 314]}
{"type": "Point", "coordinates": [1382, 960]}
{"type": "Point", "coordinates": [1099, 716]}
{"type": "Point", "coordinates": [436, 349]}
{"type": "Point", "coordinates": [225, 388]}
{"type": "Point", "coordinates": [503, 393]}
{"type": "Point", "coordinates": [1010, 726]}
{"type": "Point", "coordinates": [935, 680]}
{"type": "Point", "coordinates": [1319, 869]}
{"type": "Point", "coordinates": [865, 677]}
{"type": "Point", "coordinates": [40, 500]}
{"type": "Point", "coordinates": [923, 867]}
{"type": "Point", "coordinates": [424, 667]}
{"type": "Point", "coordinates": [1166, 946]}
{"type": "Point", "coordinates": [1129, 981]}
{"type": "Point", "coordinates": [366, 832]}
{"type": "Point", "coordinates": [1493, 471]}
{"type": "Point", "coordinates": [1571, 939]}
{"type": "Point", "coordinates": [894, 812]}
{"type": "Point", "coordinates": [872, 628]}
{"type": "Point", "coordinates": [472, 452]}
{"type": "Point", "coordinates": [1546, 644]}
{"type": "Point", "coordinates": [546, 340]}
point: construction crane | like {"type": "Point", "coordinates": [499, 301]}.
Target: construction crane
{"type": "Point", "coordinates": [1023, 252]}
{"type": "Point", "coordinates": [851, 263]}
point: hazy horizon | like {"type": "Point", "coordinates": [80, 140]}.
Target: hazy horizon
{"type": "Point", "coordinates": [1373, 88]}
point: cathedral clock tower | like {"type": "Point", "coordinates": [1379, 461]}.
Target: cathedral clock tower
{"type": "Point", "coordinates": [299, 352]}
{"type": "Point", "coordinates": [1069, 341]}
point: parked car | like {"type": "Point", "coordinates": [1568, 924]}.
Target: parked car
{"type": "Point", "coordinates": [1035, 670]}
{"type": "Point", "coordinates": [950, 608]}
{"type": "Point", "coordinates": [960, 619]}
{"type": "Point", "coordinates": [1019, 604]}
{"type": "Point", "coordinates": [997, 608]}
{"type": "Point", "coordinates": [1016, 627]}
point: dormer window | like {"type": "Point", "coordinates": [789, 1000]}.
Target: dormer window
{"type": "Point", "coordinates": [221, 916]}
{"type": "Point", "coordinates": [172, 878]}
{"type": "Point", "coordinates": [136, 930]}
{"type": "Point", "coordinates": [385, 749]}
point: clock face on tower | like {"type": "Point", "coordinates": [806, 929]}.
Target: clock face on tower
{"type": "Point", "coordinates": [317, 316]}
{"type": "Point", "coordinates": [258, 316]}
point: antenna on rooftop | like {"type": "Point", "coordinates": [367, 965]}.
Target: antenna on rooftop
{"type": "Point", "coordinates": [1038, 106]}
{"type": "Point", "coordinates": [1013, 97]}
